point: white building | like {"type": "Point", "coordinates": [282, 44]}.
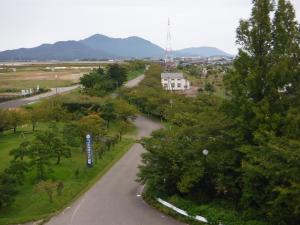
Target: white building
{"type": "Point", "coordinates": [174, 82]}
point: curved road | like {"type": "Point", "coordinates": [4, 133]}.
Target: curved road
{"type": "Point", "coordinates": [115, 198]}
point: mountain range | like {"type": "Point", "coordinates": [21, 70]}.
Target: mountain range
{"type": "Point", "coordinates": [103, 47]}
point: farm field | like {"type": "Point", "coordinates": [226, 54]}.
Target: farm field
{"type": "Point", "coordinates": [18, 78]}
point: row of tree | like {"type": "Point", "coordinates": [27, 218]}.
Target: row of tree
{"type": "Point", "coordinates": [40, 156]}
{"type": "Point", "coordinates": [252, 137]}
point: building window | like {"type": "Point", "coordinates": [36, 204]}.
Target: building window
{"type": "Point", "coordinates": [165, 85]}
{"type": "Point", "coordinates": [165, 79]}
{"type": "Point", "coordinates": [179, 85]}
{"type": "Point", "coordinates": [172, 85]}
{"type": "Point", "coordinates": [179, 79]}
{"type": "Point", "coordinates": [173, 79]}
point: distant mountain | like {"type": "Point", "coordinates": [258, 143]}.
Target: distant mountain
{"type": "Point", "coordinates": [132, 47]}
{"type": "Point", "coordinates": [200, 52]}
{"type": "Point", "coordinates": [64, 50]}
{"type": "Point", "coordinates": [102, 47]}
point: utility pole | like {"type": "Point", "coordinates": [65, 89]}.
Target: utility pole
{"type": "Point", "coordinates": [56, 84]}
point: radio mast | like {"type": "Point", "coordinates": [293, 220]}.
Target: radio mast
{"type": "Point", "coordinates": [169, 61]}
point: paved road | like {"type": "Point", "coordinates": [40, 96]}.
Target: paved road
{"type": "Point", "coordinates": [134, 82]}
{"type": "Point", "coordinates": [24, 101]}
{"type": "Point", "coordinates": [115, 198]}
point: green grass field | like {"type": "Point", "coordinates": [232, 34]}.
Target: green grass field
{"type": "Point", "coordinates": [31, 205]}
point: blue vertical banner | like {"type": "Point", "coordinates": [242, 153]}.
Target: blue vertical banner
{"type": "Point", "coordinates": [89, 150]}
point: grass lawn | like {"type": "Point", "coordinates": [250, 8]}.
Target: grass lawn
{"type": "Point", "coordinates": [31, 205]}
{"type": "Point", "coordinates": [134, 74]}
{"type": "Point", "coordinates": [9, 140]}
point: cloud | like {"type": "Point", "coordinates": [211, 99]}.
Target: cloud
{"type": "Point", "coordinates": [27, 23]}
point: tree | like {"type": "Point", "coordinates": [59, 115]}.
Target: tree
{"type": "Point", "coordinates": [98, 82]}
{"type": "Point", "coordinates": [108, 113]}
{"type": "Point", "coordinates": [209, 88]}
{"type": "Point", "coordinates": [117, 73]}
{"type": "Point", "coordinates": [36, 114]}
{"type": "Point", "coordinates": [17, 170]}
{"type": "Point", "coordinates": [60, 188]}
{"type": "Point", "coordinates": [124, 110]}
{"type": "Point", "coordinates": [124, 128]}
{"type": "Point", "coordinates": [92, 124]}
{"type": "Point", "coordinates": [264, 88]}
{"type": "Point", "coordinates": [53, 109]}
{"type": "Point", "coordinates": [7, 189]}
{"type": "Point", "coordinates": [47, 187]}
{"type": "Point", "coordinates": [55, 145]}
{"type": "Point", "coordinates": [3, 121]}
{"type": "Point", "coordinates": [89, 80]}
{"type": "Point", "coordinates": [72, 135]}
{"type": "Point", "coordinates": [248, 82]}
{"type": "Point", "coordinates": [15, 118]}
{"type": "Point", "coordinates": [21, 151]}
{"type": "Point", "coordinates": [40, 155]}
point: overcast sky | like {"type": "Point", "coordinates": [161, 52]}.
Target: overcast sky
{"type": "Point", "coordinates": [28, 23]}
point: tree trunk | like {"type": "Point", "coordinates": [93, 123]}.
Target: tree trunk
{"type": "Point", "coordinates": [50, 198]}
{"type": "Point", "coordinates": [58, 160]}
{"type": "Point", "coordinates": [15, 129]}
{"type": "Point", "coordinates": [33, 127]}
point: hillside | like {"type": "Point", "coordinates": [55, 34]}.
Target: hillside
{"type": "Point", "coordinates": [102, 47]}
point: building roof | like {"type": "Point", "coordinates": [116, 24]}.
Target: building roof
{"type": "Point", "coordinates": [172, 76]}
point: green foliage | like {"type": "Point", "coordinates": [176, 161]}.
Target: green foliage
{"type": "Point", "coordinates": [21, 151]}
{"type": "Point", "coordinates": [117, 73]}
{"type": "Point", "coordinates": [14, 118]}
{"type": "Point", "coordinates": [47, 187]}
{"type": "Point", "coordinates": [17, 170]}
{"type": "Point", "coordinates": [7, 189]}
{"type": "Point", "coordinates": [108, 113]}
{"type": "Point", "coordinates": [264, 94]}
{"type": "Point", "coordinates": [60, 188]}
{"type": "Point", "coordinates": [100, 82]}
{"type": "Point", "coordinates": [209, 87]}
{"type": "Point", "coordinates": [252, 136]}
{"type": "Point", "coordinates": [72, 134]}
{"type": "Point", "coordinates": [52, 110]}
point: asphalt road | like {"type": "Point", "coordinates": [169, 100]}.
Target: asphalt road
{"type": "Point", "coordinates": [33, 99]}
{"type": "Point", "coordinates": [30, 100]}
{"type": "Point", "coordinates": [134, 82]}
{"type": "Point", "coordinates": [115, 199]}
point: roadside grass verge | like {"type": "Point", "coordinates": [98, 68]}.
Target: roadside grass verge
{"type": "Point", "coordinates": [216, 212]}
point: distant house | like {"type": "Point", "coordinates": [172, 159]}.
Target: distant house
{"type": "Point", "coordinates": [174, 82]}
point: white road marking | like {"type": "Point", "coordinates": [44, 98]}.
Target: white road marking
{"type": "Point", "coordinates": [75, 211]}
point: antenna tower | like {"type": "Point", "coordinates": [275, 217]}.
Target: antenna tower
{"type": "Point", "coordinates": [169, 53]}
